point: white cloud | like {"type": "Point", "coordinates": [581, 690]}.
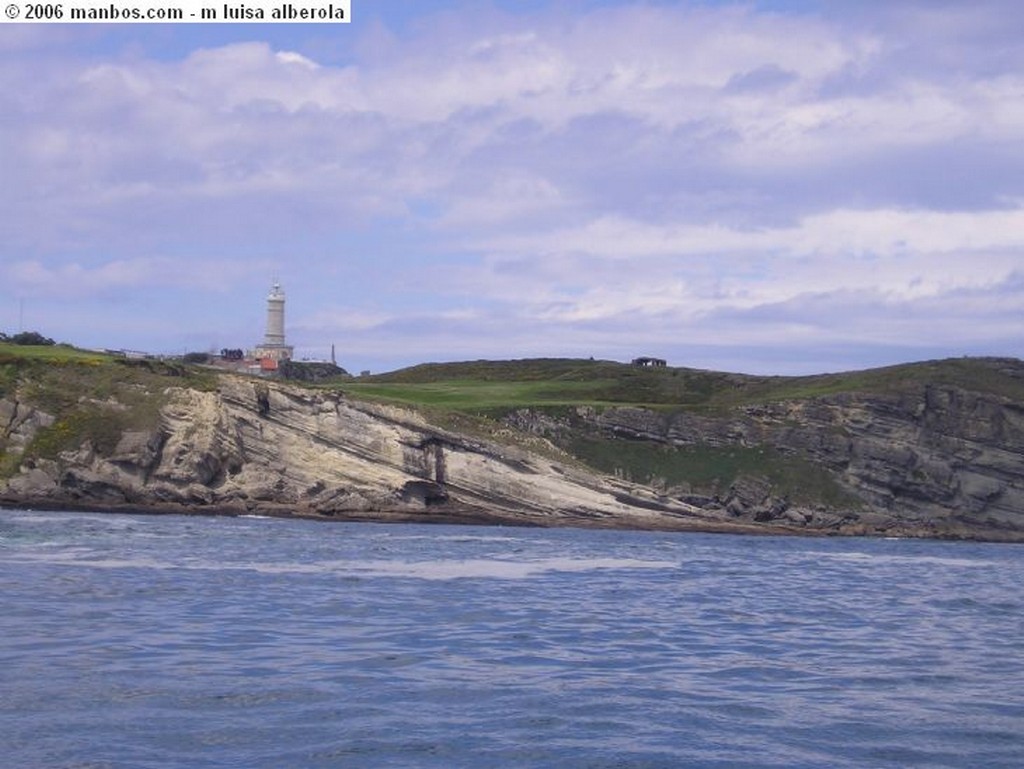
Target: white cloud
{"type": "Point", "coordinates": [880, 233]}
{"type": "Point", "coordinates": [505, 198]}
{"type": "Point", "coordinates": [335, 320]}
{"type": "Point", "coordinates": [652, 166]}
{"type": "Point", "coordinates": [80, 280]}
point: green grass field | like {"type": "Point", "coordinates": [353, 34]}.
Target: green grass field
{"type": "Point", "coordinates": [50, 354]}
{"type": "Point", "coordinates": [480, 386]}
{"type": "Point", "coordinates": [476, 396]}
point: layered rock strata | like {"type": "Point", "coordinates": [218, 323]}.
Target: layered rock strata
{"type": "Point", "coordinates": [932, 461]}
{"type": "Point", "coordinates": [258, 447]}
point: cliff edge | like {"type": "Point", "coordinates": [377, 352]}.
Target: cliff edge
{"type": "Point", "coordinates": [933, 450]}
{"type": "Point", "coordinates": [252, 446]}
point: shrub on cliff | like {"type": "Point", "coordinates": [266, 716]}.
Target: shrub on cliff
{"type": "Point", "coordinates": [27, 338]}
{"type": "Point", "coordinates": [311, 372]}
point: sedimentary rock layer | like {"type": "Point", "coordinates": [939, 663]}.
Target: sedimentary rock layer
{"type": "Point", "coordinates": [258, 447]}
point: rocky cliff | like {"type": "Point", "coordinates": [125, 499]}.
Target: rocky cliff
{"type": "Point", "coordinates": [923, 459]}
{"type": "Point", "coordinates": [256, 447]}
{"type": "Point", "coordinates": [926, 451]}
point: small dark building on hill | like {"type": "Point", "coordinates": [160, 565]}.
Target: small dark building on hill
{"type": "Point", "coordinates": [649, 362]}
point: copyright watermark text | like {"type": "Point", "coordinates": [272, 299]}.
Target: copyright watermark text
{"type": "Point", "coordinates": [182, 11]}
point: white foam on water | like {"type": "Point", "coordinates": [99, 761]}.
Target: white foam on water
{"type": "Point", "coordinates": [431, 570]}
{"type": "Point", "coordinates": [27, 516]}
{"type": "Point", "coordinates": [451, 538]}
{"type": "Point", "coordinates": [875, 559]}
{"type": "Point", "coordinates": [495, 569]}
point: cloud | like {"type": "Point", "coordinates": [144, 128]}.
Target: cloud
{"type": "Point", "coordinates": [896, 254]}
{"type": "Point", "coordinates": [580, 179]}
{"type": "Point", "coordinates": [74, 279]}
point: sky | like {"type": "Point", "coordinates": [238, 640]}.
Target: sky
{"type": "Point", "coordinates": [762, 187]}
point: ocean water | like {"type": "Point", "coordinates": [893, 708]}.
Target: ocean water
{"type": "Point", "coordinates": [135, 641]}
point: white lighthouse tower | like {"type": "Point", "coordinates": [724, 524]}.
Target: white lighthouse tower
{"type": "Point", "coordinates": [275, 317]}
{"type": "Point", "coordinates": [274, 349]}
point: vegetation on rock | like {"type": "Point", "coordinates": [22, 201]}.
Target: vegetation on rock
{"type": "Point", "coordinates": [933, 448]}
{"type": "Point", "coordinates": [91, 396]}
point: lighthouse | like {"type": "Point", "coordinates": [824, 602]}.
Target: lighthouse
{"type": "Point", "coordinates": [274, 348]}
{"type": "Point", "coordinates": [275, 317]}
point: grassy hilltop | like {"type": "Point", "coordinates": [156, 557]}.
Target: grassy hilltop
{"type": "Point", "coordinates": [480, 386]}
{"type": "Point", "coordinates": [63, 374]}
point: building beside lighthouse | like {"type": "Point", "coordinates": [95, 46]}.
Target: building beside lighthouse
{"type": "Point", "coordinates": [274, 348]}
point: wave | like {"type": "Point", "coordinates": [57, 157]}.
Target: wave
{"type": "Point", "coordinates": [451, 538]}
{"type": "Point", "coordinates": [875, 559]}
{"type": "Point", "coordinates": [439, 569]}
{"type": "Point", "coordinates": [498, 569]}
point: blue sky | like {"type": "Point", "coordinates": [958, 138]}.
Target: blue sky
{"type": "Point", "coordinates": [766, 187]}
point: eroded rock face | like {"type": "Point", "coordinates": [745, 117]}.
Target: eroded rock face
{"type": "Point", "coordinates": [940, 461]}
{"type": "Point", "coordinates": [943, 455]}
{"type": "Point", "coordinates": [255, 446]}
{"type": "Point", "coordinates": [19, 423]}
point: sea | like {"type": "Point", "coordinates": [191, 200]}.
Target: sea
{"type": "Point", "coordinates": [161, 641]}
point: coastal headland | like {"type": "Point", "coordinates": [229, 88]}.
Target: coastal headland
{"type": "Point", "coordinates": [930, 449]}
